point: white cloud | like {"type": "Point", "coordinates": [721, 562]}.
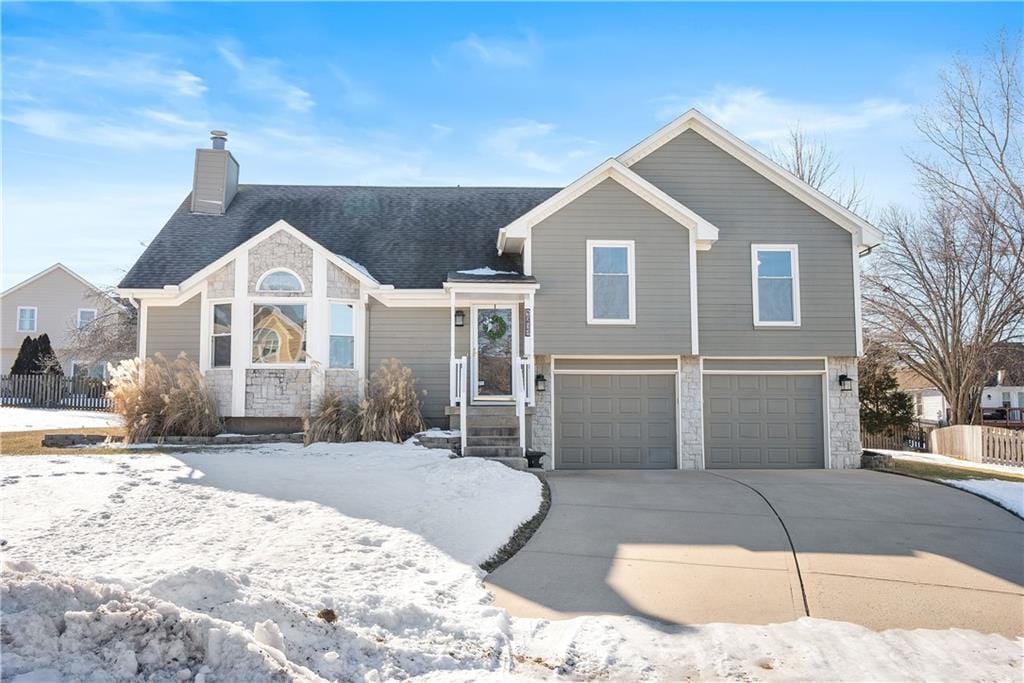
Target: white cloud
{"type": "Point", "coordinates": [137, 72]}
{"type": "Point", "coordinates": [441, 130]}
{"type": "Point", "coordinates": [758, 117]}
{"type": "Point", "coordinates": [352, 91]}
{"type": "Point", "coordinates": [504, 52]}
{"type": "Point", "coordinates": [521, 141]}
{"type": "Point", "coordinates": [126, 133]}
{"type": "Point", "coordinates": [261, 76]}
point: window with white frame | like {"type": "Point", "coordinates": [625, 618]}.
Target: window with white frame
{"type": "Point", "coordinates": [26, 318]}
{"type": "Point", "coordinates": [342, 344]}
{"type": "Point", "coordinates": [611, 282]}
{"type": "Point", "coordinates": [220, 351]}
{"type": "Point", "coordinates": [279, 333]}
{"type": "Point", "coordinates": [280, 280]}
{"type": "Point", "coordinates": [86, 316]}
{"type": "Point", "coordinates": [776, 285]}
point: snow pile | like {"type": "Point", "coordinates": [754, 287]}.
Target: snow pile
{"type": "Point", "coordinates": [57, 628]}
{"type": "Point", "coordinates": [486, 271]}
{"type": "Point", "coordinates": [950, 461]}
{"type": "Point", "coordinates": [32, 419]}
{"type": "Point", "coordinates": [1009, 494]}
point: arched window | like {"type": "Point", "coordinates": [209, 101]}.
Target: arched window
{"type": "Point", "coordinates": [279, 280]}
{"type": "Point", "coordinates": [266, 346]}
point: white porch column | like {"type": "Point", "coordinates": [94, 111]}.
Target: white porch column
{"type": "Point", "coordinates": [318, 327]}
{"type": "Point", "coordinates": [528, 337]}
{"type": "Point", "coordinates": [241, 334]}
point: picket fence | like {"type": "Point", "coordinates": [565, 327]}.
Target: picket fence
{"type": "Point", "coordinates": [54, 391]}
{"type": "Point", "coordinates": [976, 443]}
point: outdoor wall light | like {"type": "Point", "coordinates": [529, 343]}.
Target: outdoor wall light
{"type": "Point", "coordinates": [460, 318]}
{"type": "Point", "coordinates": [542, 382]}
{"type": "Point", "coordinates": [845, 383]}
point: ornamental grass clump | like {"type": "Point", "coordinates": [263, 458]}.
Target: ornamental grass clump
{"type": "Point", "coordinates": [390, 410]}
{"type": "Point", "coordinates": [156, 398]}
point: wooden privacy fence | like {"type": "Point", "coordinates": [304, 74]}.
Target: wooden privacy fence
{"type": "Point", "coordinates": [911, 438]}
{"type": "Point", "coordinates": [54, 391]}
{"type": "Point", "coordinates": [980, 444]}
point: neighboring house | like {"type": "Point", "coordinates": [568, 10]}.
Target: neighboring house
{"type": "Point", "coordinates": [929, 404]}
{"type": "Point", "coordinates": [53, 302]}
{"type": "Point", "coordinates": [687, 304]}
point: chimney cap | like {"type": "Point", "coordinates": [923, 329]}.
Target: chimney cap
{"type": "Point", "coordinates": [219, 133]}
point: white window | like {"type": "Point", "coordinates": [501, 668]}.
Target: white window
{"type": "Point", "coordinates": [1006, 399]}
{"type": "Point", "coordinates": [611, 283]}
{"type": "Point", "coordinates": [26, 318]}
{"type": "Point", "coordinates": [776, 285]}
{"type": "Point", "coordinates": [342, 337]}
{"type": "Point", "coordinates": [220, 353]}
{"type": "Point", "coordinates": [279, 333]}
{"type": "Point", "coordinates": [86, 316]}
{"type": "Point", "coordinates": [280, 280]}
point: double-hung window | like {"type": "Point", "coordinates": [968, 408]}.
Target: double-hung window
{"type": "Point", "coordinates": [776, 285]}
{"type": "Point", "coordinates": [220, 352]}
{"type": "Point", "coordinates": [611, 282]}
{"type": "Point", "coordinates": [26, 318]}
{"type": "Point", "coordinates": [85, 316]}
{"type": "Point", "coordinates": [342, 337]}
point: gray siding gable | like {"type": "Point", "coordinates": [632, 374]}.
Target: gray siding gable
{"type": "Point", "coordinates": [611, 212]}
{"type": "Point", "coordinates": [748, 208]}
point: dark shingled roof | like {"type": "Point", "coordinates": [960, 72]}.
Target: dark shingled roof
{"type": "Point", "coordinates": [410, 237]}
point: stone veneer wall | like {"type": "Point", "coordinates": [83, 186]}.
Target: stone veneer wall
{"type": "Point", "coordinates": [219, 381]}
{"type": "Point", "coordinates": [343, 380]}
{"type": "Point", "coordinates": [340, 285]}
{"type": "Point", "coordinates": [281, 250]}
{"type": "Point", "coordinates": [221, 285]}
{"type": "Point", "coordinates": [843, 414]}
{"type": "Point", "coordinates": [278, 392]}
{"type": "Point", "coordinates": [691, 420]}
{"type": "Point", "coordinates": [540, 426]}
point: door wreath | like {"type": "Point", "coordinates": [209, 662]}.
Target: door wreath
{"type": "Point", "coordinates": [494, 327]}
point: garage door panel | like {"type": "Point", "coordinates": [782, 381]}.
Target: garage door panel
{"type": "Point", "coordinates": [620, 421]}
{"type": "Point", "coordinates": [763, 421]}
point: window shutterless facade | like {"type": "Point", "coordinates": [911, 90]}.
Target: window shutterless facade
{"type": "Point", "coordinates": [775, 275]}
{"type": "Point", "coordinates": [27, 318]}
{"type": "Point", "coordinates": [342, 342]}
{"type": "Point", "coordinates": [278, 334]}
{"type": "Point", "coordinates": [86, 316]}
{"type": "Point", "coordinates": [220, 338]}
{"type": "Point", "coordinates": [611, 282]}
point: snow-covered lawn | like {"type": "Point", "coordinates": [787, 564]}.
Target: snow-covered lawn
{"type": "Point", "coordinates": [949, 461]}
{"type": "Point", "coordinates": [1009, 494]}
{"type": "Point", "coordinates": [32, 419]}
{"type": "Point", "coordinates": [213, 565]}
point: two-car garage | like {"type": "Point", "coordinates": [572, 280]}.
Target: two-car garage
{"type": "Point", "coordinates": [625, 414]}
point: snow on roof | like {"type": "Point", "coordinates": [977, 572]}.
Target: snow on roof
{"type": "Point", "coordinates": [486, 271]}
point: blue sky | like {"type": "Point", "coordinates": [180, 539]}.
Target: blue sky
{"type": "Point", "coordinates": [103, 104]}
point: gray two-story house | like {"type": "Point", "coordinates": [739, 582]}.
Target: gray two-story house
{"type": "Point", "coordinates": [687, 304]}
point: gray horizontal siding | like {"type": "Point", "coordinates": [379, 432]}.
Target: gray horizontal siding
{"type": "Point", "coordinates": [763, 365]}
{"type": "Point", "coordinates": [419, 338]}
{"type": "Point", "coordinates": [173, 329]}
{"type": "Point", "coordinates": [607, 364]}
{"type": "Point", "coordinates": [609, 211]}
{"type": "Point", "coordinates": [748, 208]}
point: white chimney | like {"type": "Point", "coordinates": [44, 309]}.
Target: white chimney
{"type": "Point", "coordinates": [215, 179]}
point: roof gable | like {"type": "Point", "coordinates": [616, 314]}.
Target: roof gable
{"type": "Point", "coordinates": [43, 273]}
{"type": "Point", "coordinates": [867, 234]}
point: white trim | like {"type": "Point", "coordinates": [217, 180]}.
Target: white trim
{"type": "Point", "coordinates": [794, 263]}
{"type": "Point", "coordinates": [858, 320]}
{"type": "Point", "coordinates": [763, 372]}
{"type": "Point", "coordinates": [143, 325]}
{"type": "Point", "coordinates": [827, 416]}
{"type": "Point", "coordinates": [630, 246]}
{"type": "Point", "coordinates": [554, 417]}
{"type": "Point", "coordinates": [678, 409]}
{"type": "Point", "coordinates": [474, 349]}
{"type": "Point", "coordinates": [35, 319]}
{"type": "Point", "coordinates": [613, 169]}
{"type": "Point", "coordinates": [700, 404]}
{"type": "Point", "coordinates": [210, 305]}
{"type": "Point", "coordinates": [78, 317]}
{"type": "Point", "coordinates": [241, 334]}
{"type": "Point", "coordinates": [492, 287]}
{"type": "Point", "coordinates": [282, 269]}
{"type": "Point", "coordinates": [205, 325]}
{"type": "Point", "coordinates": [47, 271]}
{"type": "Point", "coordinates": [354, 305]}
{"type": "Point", "coordinates": [694, 331]}
{"type": "Point", "coordinates": [866, 233]}
{"type": "Point", "coordinates": [307, 305]}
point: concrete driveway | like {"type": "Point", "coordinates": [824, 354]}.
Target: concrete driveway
{"type": "Point", "coordinates": [759, 547]}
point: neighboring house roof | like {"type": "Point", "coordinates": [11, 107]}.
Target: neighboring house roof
{"type": "Point", "coordinates": [44, 273]}
{"type": "Point", "coordinates": [909, 380]}
{"type": "Point", "coordinates": [701, 124]}
{"type": "Point", "coordinates": [1009, 358]}
{"type": "Point", "coordinates": [409, 237]}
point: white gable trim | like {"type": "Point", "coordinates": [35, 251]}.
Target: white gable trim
{"type": "Point", "coordinates": [44, 273]}
{"type": "Point", "coordinates": [174, 291]}
{"type": "Point", "coordinates": [612, 168]}
{"type": "Point", "coordinates": [867, 234]}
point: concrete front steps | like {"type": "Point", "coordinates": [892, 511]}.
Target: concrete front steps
{"type": "Point", "coordinates": [493, 433]}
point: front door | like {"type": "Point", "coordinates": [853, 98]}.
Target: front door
{"type": "Point", "coordinates": [494, 342]}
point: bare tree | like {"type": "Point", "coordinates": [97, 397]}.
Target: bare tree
{"type": "Point", "coordinates": [813, 161]}
{"type": "Point", "coordinates": [944, 295]}
{"type": "Point", "coordinates": [977, 161]}
{"type": "Point", "coordinates": [112, 335]}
